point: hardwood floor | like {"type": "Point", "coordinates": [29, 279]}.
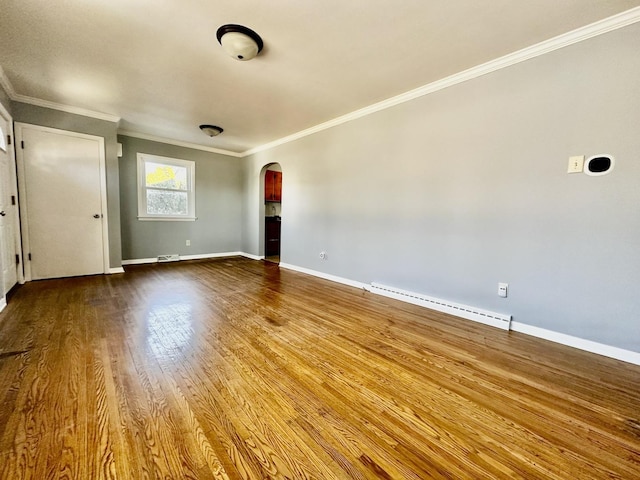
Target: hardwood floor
{"type": "Point", "coordinates": [233, 368]}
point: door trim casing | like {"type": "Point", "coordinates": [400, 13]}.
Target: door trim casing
{"type": "Point", "coordinates": [22, 190]}
{"type": "Point", "coordinates": [11, 152]}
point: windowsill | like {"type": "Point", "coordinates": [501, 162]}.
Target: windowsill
{"type": "Point", "coordinates": [167, 219]}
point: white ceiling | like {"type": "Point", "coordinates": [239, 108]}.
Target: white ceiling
{"type": "Point", "coordinates": [157, 65]}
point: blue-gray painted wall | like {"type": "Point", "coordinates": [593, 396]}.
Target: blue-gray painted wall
{"type": "Point", "coordinates": [451, 193]}
{"type": "Point", "coordinates": [219, 196]}
{"type": "Point", "coordinates": [445, 195]}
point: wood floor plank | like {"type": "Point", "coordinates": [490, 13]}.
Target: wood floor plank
{"type": "Point", "coordinates": [233, 369]}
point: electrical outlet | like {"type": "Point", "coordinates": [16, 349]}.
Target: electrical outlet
{"type": "Point", "coordinates": [188, 243]}
{"type": "Point", "coordinates": [503, 289]}
{"type": "Point", "coordinates": [323, 255]}
{"type": "Point", "coordinates": [576, 164]}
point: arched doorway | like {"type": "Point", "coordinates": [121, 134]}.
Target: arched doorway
{"type": "Point", "coordinates": [272, 212]}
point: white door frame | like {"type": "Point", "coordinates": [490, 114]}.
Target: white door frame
{"type": "Point", "coordinates": [11, 152]}
{"type": "Point", "coordinates": [22, 190]}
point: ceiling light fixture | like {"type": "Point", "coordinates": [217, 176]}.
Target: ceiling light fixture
{"type": "Point", "coordinates": [240, 42]}
{"type": "Point", "coordinates": [211, 130]}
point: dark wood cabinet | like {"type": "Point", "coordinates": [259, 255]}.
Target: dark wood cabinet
{"type": "Point", "coordinates": [272, 236]}
{"type": "Point", "coordinates": [273, 186]}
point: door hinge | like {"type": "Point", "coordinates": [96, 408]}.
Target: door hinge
{"type": "Point", "coordinates": [8, 139]}
{"type": "Point", "coordinates": [13, 199]}
{"type": "Point", "coordinates": [22, 144]}
{"type": "Point", "coordinates": [29, 257]}
{"type": "Point", "coordinates": [17, 259]}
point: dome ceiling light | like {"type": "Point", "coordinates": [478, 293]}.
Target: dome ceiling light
{"type": "Point", "coordinates": [211, 130]}
{"type": "Point", "coordinates": [240, 42]}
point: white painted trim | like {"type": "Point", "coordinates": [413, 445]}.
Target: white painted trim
{"type": "Point", "coordinates": [606, 25]}
{"type": "Point", "coordinates": [3, 303]}
{"type": "Point", "coordinates": [6, 84]}
{"type": "Point", "coordinates": [22, 189]}
{"type": "Point", "coordinates": [16, 97]}
{"type": "Point", "coordinates": [252, 256]}
{"type": "Point", "coordinates": [178, 143]}
{"type": "Point", "coordinates": [103, 199]}
{"type": "Point", "coordinates": [200, 256]}
{"type": "Point", "coordinates": [167, 219]}
{"type": "Point", "coordinates": [210, 255]}
{"type": "Point", "coordinates": [326, 276]}
{"type": "Point", "coordinates": [65, 108]}
{"type": "Point", "coordinates": [498, 320]}
{"type": "Point", "coordinates": [11, 152]}
{"type": "Point", "coordinates": [561, 338]}
{"type": "Point", "coordinates": [576, 342]}
{"type": "Point", "coordinates": [568, 340]}
{"type": "Point", "coordinates": [600, 27]}
{"type": "Point", "coordinates": [188, 165]}
{"type": "Point", "coordinates": [139, 261]}
{"type": "Point", "coordinates": [116, 270]}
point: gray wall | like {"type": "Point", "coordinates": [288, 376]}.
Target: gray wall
{"type": "Point", "coordinates": [451, 193]}
{"type": "Point", "coordinates": [46, 117]}
{"type": "Point", "coordinates": [219, 196]}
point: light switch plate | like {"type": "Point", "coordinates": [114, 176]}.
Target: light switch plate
{"type": "Point", "coordinates": [576, 164]}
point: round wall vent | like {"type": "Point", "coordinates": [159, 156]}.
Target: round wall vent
{"type": "Point", "coordinates": [599, 165]}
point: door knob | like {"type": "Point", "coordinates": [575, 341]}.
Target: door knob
{"type": "Point", "coordinates": [97, 215]}
{"type": "Point", "coordinates": [2, 214]}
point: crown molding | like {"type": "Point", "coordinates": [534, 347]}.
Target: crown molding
{"type": "Point", "coordinates": [16, 97]}
{"type": "Point", "coordinates": [600, 27]}
{"type": "Point", "coordinates": [581, 34]}
{"type": "Point", "coordinates": [178, 143]}
{"type": "Point", "coordinates": [6, 84]}
{"type": "Point", "coordinates": [65, 108]}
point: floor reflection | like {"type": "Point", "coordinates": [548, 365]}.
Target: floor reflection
{"type": "Point", "coordinates": [169, 329]}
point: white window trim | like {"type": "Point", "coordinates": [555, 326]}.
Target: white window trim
{"type": "Point", "coordinates": [142, 188]}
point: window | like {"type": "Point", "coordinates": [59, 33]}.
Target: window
{"type": "Point", "coordinates": [166, 188]}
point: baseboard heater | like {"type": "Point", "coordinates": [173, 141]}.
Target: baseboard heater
{"type": "Point", "coordinates": [470, 313]}
{"type": "Point", "coordinates": [169, 258]}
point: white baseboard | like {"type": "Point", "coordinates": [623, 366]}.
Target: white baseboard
{"type": "Point", "coordinates": [326, 276]}
{"type": "Point", "coordinates": [568, 340]}
{"type": "Point", "coordinates": [493, 319]}
{"type": "Point", "coordinates": [252, 256]}
{"type": "Point", "coordinates": [561, 338]}
{"type": "Point", "coordinates": [140, 261]}
{"type": "Point", "coordinates": [3, 303]}
{"type": "Point", "coordinates": [210, 255]}
{"type": "Point", "coordinates": [576, 342]}
{"type": "Point", "coordinates": [116, 270]}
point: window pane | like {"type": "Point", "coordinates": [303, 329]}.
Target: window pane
{"type": "Point", "coordinates": [158, 175]}
{"type": "Point", "coordinates": [166, 203]}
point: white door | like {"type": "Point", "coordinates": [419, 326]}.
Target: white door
{"type": "Point", "coordinates": [8, 211]}
{"type": "Point", "coordinates": [62, 200]}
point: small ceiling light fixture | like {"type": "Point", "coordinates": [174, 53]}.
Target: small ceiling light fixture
{"type": "Point", "coordinates": [211, 130]}
{"type": "Point", "coordinates": [240, 42]}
